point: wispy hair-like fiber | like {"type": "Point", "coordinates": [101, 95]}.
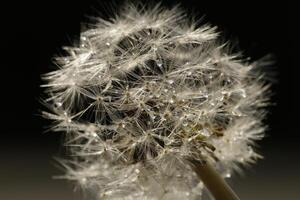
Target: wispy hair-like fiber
{"type": "Point", "coordinates": [145, 92]}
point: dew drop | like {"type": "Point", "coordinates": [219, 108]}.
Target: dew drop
{"type": "Point", "coordinates": [133, 145]}
{"type": "Point", "coordinates": [66, 60]}
{"type": "Point", "coordinates": [93, 134]}
{"type": "Point", "coordinates": [221, 98]}
{"type": "Point", "coordinates": [228, 175]}
{"type": "Point", "coordinates": [107, 44]}
{"type": "Point", "coordinates": [159, 64]}
{"type": "Point", "coordinates": [228, 80]}
{"type": "Point", "coordinates": [83, 38]}
{"type": "Point", "coordinates": [242, 93]}
{"type": "Point", "coordinates": [171, 81]}
{"type": "Point", "coordinates": [58, 104]}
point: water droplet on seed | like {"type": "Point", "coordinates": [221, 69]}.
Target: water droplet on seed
{"type": "Point", "coordinates": [93, 134]}
{"type": "Point", "coordinates": [159, 64]}
{"type": "Point", "coordinates": [185, 123]}
{"type": "Point", "coordinates": [58, 104]}
{"type": "Point", "coordinates": [170, 82]}
{"type": "Point", "coordinates": [227, 175]}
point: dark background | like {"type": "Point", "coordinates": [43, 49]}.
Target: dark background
{"type": "Point", "coordinates": [35, 31]}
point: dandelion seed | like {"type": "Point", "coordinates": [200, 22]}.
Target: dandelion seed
{"type": "Point", "coordinates": [163, 93]}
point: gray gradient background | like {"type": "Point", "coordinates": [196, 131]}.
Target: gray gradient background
{"type": "Point", "coordinates": [35, 31]}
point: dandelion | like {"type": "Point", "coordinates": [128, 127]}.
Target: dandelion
{"type": "Point", "coordinates": [151, 102]}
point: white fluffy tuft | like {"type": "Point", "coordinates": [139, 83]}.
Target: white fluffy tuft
{"type": "Point", "coordinates": [144, 93]}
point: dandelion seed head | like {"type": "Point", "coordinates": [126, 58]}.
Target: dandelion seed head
{"type": "Point", "coordinates": [146, 92]}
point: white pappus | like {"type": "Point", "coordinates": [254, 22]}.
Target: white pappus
{"type": "Point", "coordinates": [145, 92]}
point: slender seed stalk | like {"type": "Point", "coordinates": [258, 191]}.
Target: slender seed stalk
{"type": "Point", "coordinates": [217, 186]}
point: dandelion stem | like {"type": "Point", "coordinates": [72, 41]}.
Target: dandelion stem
{"type": "Point", "coordinates": [217, 186]}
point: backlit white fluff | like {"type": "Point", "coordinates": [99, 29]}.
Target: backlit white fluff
{"type": "Point", "coordinates": [147, 91]}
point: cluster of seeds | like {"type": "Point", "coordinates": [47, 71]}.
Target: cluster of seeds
{"type": "Point", "coordinates": [145, 93]}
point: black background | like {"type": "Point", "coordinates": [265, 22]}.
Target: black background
{"type": "Point", "coordinates": [35, 31]}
